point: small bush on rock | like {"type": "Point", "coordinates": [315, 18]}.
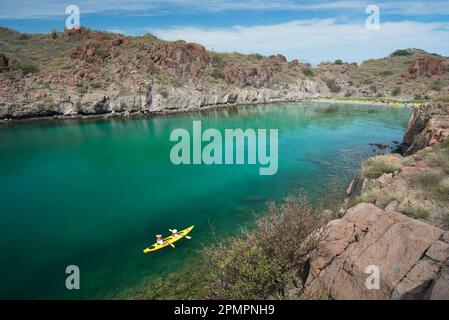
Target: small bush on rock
{"type": "Point", "coordinates": [373, 168]}
{"type": "Point", "coordinates": [414, 209]}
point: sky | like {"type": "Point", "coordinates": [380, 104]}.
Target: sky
{"type": "Point", "coordinates": [310, 31]}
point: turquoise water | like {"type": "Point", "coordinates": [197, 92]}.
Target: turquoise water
{"type": "Point", "coordinates": [94, 193]}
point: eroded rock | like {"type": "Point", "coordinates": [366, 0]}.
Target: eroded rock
{"type": "Point", "coordinates": [369, 236]}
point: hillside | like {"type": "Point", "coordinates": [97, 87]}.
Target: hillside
{"type": "Point", "coordinates": [87, 72]}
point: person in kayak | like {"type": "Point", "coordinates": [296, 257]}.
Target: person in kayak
{"type": "Point", "coordinates": [160, 240]}
{"type": "Point", "coordinates": [175, 233]}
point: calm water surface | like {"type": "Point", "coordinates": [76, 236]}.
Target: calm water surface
{"type": "Point", "coordinates": [94, 193]}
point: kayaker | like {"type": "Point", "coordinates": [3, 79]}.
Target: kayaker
{"type": "Point", "coordinates": [160, 240]}
{"type": "Point", "coordinates": [175, 233]}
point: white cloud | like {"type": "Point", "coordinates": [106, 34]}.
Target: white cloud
{"type": "Point", "coordinates": [318, 40]}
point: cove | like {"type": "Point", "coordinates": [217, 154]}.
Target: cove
{"type": "Point", "coordinates": [95, 193]}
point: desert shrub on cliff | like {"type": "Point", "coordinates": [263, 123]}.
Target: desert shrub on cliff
{"type": "Point", "coordinates": [54, 33]}
{"type": "Point", "coordinates": [24, 67]}
{"type": "Point", "coordinates": [307, 71]}
{"type": "Point", "coordinates": [442, 98]}
{"type": "Point", "coordinates": [414, 209]}
{"type": "Point", "coordinates": [445, 220]}
{"type": "Point", "coordinates": [436, 186]}
{"type": "Point", "coordinates": [369, 195]}
{"type": "Point", "coordinates": [260, 263]}
{"type": "Point", "coordinates": [396, 91]}
{"type": "Point", "coordinates": [435, 86]}
{"type": "Point", "coordinates": [333, 86]}
{"type": "Point", "coordinates": [388, 194]}
{"type": "Point", "coordinates": [401, 53]}
{"type": "Point", "coordinates": [82, 88]}
{"type": "Point", "coordinates": [439, 158]}
{"type": "Point", "coordinates": [374, 167]}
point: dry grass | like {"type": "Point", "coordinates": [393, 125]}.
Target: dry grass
{"type": "Point", "coordinates": [374, 167]}
{"type": "Point", "coordinates": [389, 194]}
{"type": "Point", "coordinates": [436, 186]}
{"type": "Point", "coordinates": [414, 209]}
{"type": "Point", "coordinates": [369, 195]}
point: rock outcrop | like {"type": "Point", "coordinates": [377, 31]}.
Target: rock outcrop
{"type": "Point", "coordinates": [409, 255]}
{"type": "Point", "coordinates": [425, 128]}
{"type": "Point", "coordinates": [396, 223]}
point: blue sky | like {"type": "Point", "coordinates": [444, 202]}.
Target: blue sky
{"type": "Point", "coordinates": [310, 31]}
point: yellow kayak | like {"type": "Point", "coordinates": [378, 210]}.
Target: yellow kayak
{"type": "Point", "coordinates": [169, 240]}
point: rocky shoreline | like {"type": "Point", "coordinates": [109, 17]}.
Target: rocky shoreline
{"type": "Point", "coordinates": [157, 105]}
{"type": "Point", "coordinates": [396, 220]}
{"type": "Point", "coordinates": [173, 111]}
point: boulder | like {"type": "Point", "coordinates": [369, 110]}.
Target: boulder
{"type": "Point", "coordinates": [440, 290]}
{"type": "Point", "coordinates": [369, 236]}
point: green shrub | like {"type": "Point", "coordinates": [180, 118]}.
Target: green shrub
{"type": "Point", "coordinates": [54, 33]}
{"type": "Point", "coordinates": [26, 68]}
{"type": "Point", "coordinates": [369, 195]}
{"type": "Point", "coordinates": [445, 220]}
{"type": "Point", "coordinates": [96, 85]}
{"type": "Point", "coordinates": [386, 73]}
{"type": "Point", "coordinates": [338, 61]}
{"type": "Point", "coordinates": [260, 263]}
{"type": "Point", "coordinates": [396, 91]}
{"type": "Point", "coordinates": [82, 88]}
{"type": "Point", "coordinates": [389, 194]}
{"type": "Point", "coordinates": [401, 53]}
{"type": "Point", "coordinates": [217, 73]}
{"type": "Point", "coordinates": [375, 167]}
{"type": "Point", "coordinates": [442, 98]}
{"type": "Point", "coordinates": [100, 51]}
{"type": "Point", "coordinates": [24, 36]}
{"type": "Point", "coordinates": [367, 81]}
{"type": "Point", "coordinates": [414, 209]}
{"type": "Point", "coordinates": [308, 72]}
{"type": "Point", "coordinates": [435, 86]}
{"type": "Point", "coordinates": [333, 86]}
{"type": "Point", "coordinates": [439, 158]}
{"type": "Point", "coordinates": [435, 185]}
{"type": "Point", "coordinates": [164, 94]}
{"type": "Point", "coordinates": [48, 100]}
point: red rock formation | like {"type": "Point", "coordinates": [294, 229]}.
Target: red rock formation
{"type": "Point", "coordinates": [243, 76]}
{"type": "Point", "coordinates": [427, 67]}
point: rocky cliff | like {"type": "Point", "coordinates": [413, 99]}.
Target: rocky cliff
{"type": "Point", "coordinates": [85, 72]}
